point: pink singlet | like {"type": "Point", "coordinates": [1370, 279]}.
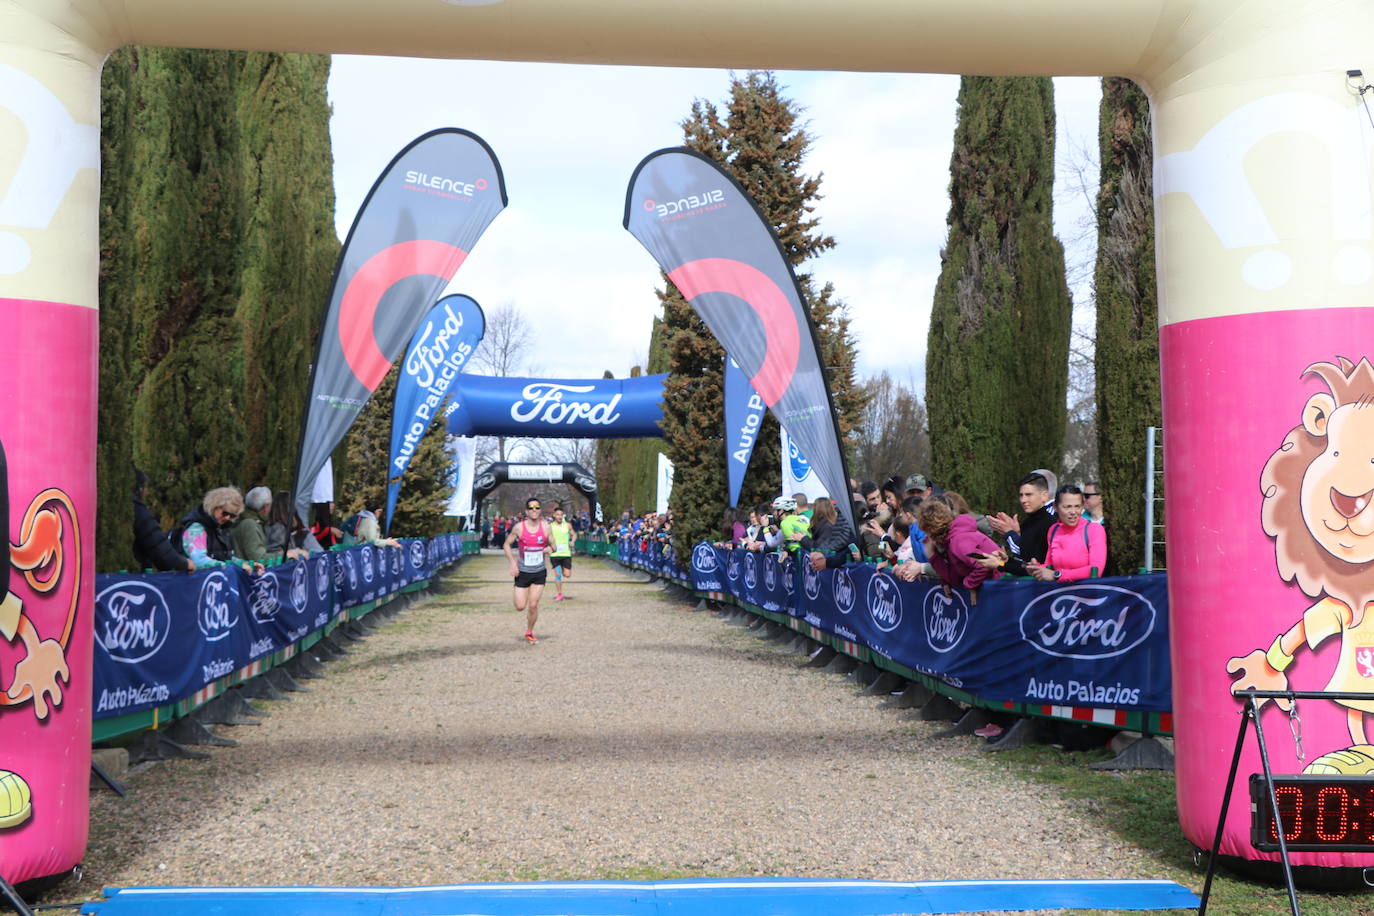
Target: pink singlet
{"type": "Point", "coordinates": [531, 546]}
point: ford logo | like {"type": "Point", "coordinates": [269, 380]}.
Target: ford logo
{"type": "Point", "coordinates": [811, 580]}
{"type": "Point", "coordinates": [704, 558]}
{"type": "Point", "coordinates": [395, 562]}
{"type": "Point", "coordinates": [800, 466]}
{"type": "Point", "coordinates": [789, 576]}
{"type": "Point", "coordinates": [946, 618]}
{"type": "Point", "coordinates": [134, 621]}
{"type": "Point", "coordinates": [732, 566]}
{"type": "Point", "coordinates": [215, 606]}
{"type": "Point", "coordinates": [367, 564]}
{"type": "Point", "coordinates": [844, 591]}
{"type": "Point", "coordinates": [300, 586]}
{"type": "Point", "coordinates": [770, 574]}
{"type": "Point", "coordinates": [263, 604]}
{"type": "Point", "coordinates": [351, 571]}
{"type": "Point", "coordinates": [417, 554]}
{"type": "Point", "coordinates": [321, 577]}
{"type": "Point", "coordinates": [1088, 621]}
{"type": "Point", "coordinates": [884, 603]}
{"type": "Point", "coordinates": [751, 571]}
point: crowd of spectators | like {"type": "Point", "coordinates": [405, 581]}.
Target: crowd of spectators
{"type": "Point", "coordinates": [252, 530]}
{"type": "Point", "coordinates": [909, 526]}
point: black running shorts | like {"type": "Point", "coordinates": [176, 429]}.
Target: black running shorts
{"type": "Point", "coordinates": [565, 562]}
{"type": "Point", "coordinates": [526, 579]}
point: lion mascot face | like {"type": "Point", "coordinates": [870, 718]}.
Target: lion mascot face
{"type": "Point", "coordinates": [1319, 489]}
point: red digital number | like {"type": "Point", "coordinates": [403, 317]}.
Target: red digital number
{"type": "Point", "coordinates": [1289, 799]}
{"type": "Point", "coordinates": [1341, 814]}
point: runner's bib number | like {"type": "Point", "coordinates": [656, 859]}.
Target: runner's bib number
{"type": "Point", "coordinates": [533, 558]}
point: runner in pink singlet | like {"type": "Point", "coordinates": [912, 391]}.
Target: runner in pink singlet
{"type": "Point", "coordinates": [531, 536]}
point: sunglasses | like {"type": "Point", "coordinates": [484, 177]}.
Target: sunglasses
{"type": "Point", "coordinates": [1093, 493]}
{"type": "Point", "coordinates": [527, 508]}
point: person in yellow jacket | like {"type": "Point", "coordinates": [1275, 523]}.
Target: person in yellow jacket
{"type": "Point", "coordinates": [563, 537]}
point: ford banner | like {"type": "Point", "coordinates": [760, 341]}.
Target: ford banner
{"type": "Point", "coordinates": [629, 408]}
{"type": "Point", "coordinates": [1097, 642]}
{"type": "Point", "coordinates": [438, 352]}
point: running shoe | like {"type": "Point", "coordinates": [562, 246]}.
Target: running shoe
{"type": "Point", "coordinates": [989, 731]}
{"type": "Point", "coordinates": [557, 597]}
{"type": "Point", "coordinates": [530, 637]}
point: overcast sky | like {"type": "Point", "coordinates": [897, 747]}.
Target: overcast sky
{"type": "Point", "coordinates": [568, 138]}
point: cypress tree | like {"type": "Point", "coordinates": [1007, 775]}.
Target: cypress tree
{"type": "Point", "coordinates": [217, 246]}
{"type": "Point", "coordinates": [997, 356]}
{"type": "Point", "coordinates": [761, 142]}
{"type": "Point", "coordinates": [627, 469]}
{"type": "Point", "coordinates": [1127, 315]}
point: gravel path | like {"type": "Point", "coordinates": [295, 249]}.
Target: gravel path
{"type": "Point", "coordinates": [637, 740]}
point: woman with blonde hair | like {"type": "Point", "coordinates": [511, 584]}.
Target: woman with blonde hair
{"type": "Point", "coordinates": [205, 529]}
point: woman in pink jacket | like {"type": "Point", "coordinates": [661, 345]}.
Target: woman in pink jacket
{"type": "Point", "coordinates": [1077, 547]}
{"type": "Point", "coordinates": [954, 545]}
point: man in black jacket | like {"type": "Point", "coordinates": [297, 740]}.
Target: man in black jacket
{"type": "Point", "coordinates": [1027, 539]}
{"type": "Point", "coordinates": [152, 550]}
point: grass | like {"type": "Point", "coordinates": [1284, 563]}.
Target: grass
{"type": "Point", "coordinates": [1140, 807]}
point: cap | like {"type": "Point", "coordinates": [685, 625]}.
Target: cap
{"type": "Point", "coordinates": [917, 482]}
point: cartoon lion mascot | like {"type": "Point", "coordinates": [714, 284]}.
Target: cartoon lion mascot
{"type": "Point", "coordinates": [1319, 509]}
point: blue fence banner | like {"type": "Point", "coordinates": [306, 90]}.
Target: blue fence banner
{"type": "Point", "coordinates": [1097, 642]}
{"type": "Point", "coordinates": [161, 637]}
{"type": "Point", "coordinates": [653, 556]}
{"type": "Point", "coordinates": [627, 408]}
{"type": "Point", "coordinates": [438, 352]}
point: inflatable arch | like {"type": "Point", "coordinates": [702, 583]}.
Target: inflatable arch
{"type": "Point", "coordinates": [1266, 259]}
{"type": "Point", "coordinates": [497, 473]}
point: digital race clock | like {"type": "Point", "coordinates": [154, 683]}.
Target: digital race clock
{"type": "Point", "coordinates": [1319, 813]}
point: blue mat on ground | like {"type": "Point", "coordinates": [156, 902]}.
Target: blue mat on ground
{"type": "Point", "coordinates": [694, 897]}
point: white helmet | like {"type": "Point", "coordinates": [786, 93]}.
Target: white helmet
{"type": "Point", "coordinates": [785, 504]}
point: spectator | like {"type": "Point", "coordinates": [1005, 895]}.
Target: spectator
{"type": "Point", "coordinates": [918, 485]}
{"type": "Point", "coordinates": [894, 542]}
{"type": "Point", "coordinates": [1077, 547]}
{"type": "Point", "coordinates": [1051, 479]}
{"type": "Point", "coordinates": [367, 527]}
{"type": "Point", "coordinates": [205, 530]}
{"type": "Point", "coordinates": [960, 507]}
{"type": "Point", "coordinates": [793, 527]}
{"type": "Point", "coordinates": [873, 530]}
{"type": "Point", "coordinates": [152, 549]}
{"type": "Point", "coordinates": [1027, 539]}
{"type": "Point", "coordinates": [1092, 503]}
{"type": "Point", "coordinates": [248, 537]}
{"type": "Point", "coordinates": [830, 542]}
{"type": "Point", "coordinates": [872, 496]}
{"type": "Point", "coordinates": [892, 490]}
{"type": "Point", "coordinates": [323, 529]}
{"type": "Point", "coordinates": [955, 545]}
{"type": "Point", "coordinates": [802, 507]}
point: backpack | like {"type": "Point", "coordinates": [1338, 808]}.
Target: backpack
{"type": "Point", "coordinates": [349, 526]}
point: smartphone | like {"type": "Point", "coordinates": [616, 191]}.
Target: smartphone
{"type": "Point", "coordinates": [979, 556]}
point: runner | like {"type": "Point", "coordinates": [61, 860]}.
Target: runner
{"type": "Point", "coordinates": [532, 533]}
{"type": "Point", "coordinates": [564, 537]}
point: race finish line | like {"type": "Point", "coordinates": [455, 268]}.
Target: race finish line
{"type": "Point", "coordinates": [694, 897]}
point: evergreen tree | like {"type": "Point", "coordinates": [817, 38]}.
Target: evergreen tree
{"type": "Point", "coordinates": [760, 141]}
{"type": "Point", "coordinates": [627, 469]}
{"type": "Point", "coordinates": [1127, 315]}
{"type": "Point", "coordinates": [997, 356]}
{"type": "Point", "coordinates": [427, 485]}
{"type": "Point", "coordinates": [217, 246]}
